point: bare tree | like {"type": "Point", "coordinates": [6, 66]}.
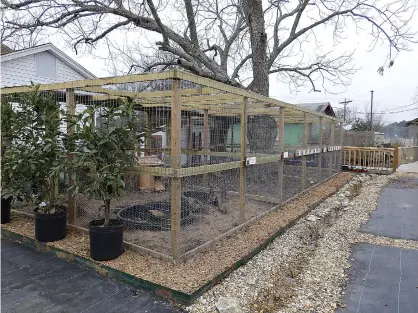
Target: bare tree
{"type": "Point", "coordinates": [239, 42]}
{"type": "Point", "coordinates": [350, 114]}
{"type": "Point", "coordinates": [15, 37]}
{"type": "Point", "coordinates": [415, 97]}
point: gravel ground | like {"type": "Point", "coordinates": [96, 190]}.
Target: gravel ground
{"type": "Point", "coordinates": [190, 275]}
{"type": "Point", "coordinates": [304, 269]}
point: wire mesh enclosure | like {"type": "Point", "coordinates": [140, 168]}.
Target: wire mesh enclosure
{"type": "Point", "coordinates": [213, 157]}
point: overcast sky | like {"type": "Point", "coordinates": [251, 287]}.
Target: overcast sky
{"type": "Point", "coordinates": [395, 88]}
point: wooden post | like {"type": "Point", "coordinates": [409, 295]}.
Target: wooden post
{"type": "Point", "coordinates": [205, 144]}
{"type": "Point", "coordinates": [176, 164]}
{"type": "Point", "coordinates": [321, 144]}
{"type": "Point", "coordinates": [340, 163]}
{"type": "Point", "coordinates": [281, 151]}
{"type": "Point", "coordinates": [395, 157]}
{"type": "Point", "coordinates": [304, 146]}
{"type": "Point", "coordinates": [70, 107]}
{"type": "Point", "coordinates": [332, 143]}
{"type": "Point", "coordinates": [243, 167]}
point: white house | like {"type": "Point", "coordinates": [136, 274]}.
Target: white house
{"type": "Point", "coordinates": [41, 64]}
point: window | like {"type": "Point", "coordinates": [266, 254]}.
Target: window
{"type": "Point", "coordinates": [46, 65]}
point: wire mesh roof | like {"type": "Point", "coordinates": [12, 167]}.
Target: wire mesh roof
{"type": "Point", "coordinates": [197, 93]}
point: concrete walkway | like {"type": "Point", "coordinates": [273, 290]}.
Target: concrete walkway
{"type": "Point", "coordinates": [35, 282]}
{"type": "Point", "coordinates": [410, 168]}
{"type": "Point", "coordinates": [384, 279]}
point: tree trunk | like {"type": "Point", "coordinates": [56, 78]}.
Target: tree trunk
{"type": "Point", "coordinates": [107, 212]}
{"type": "Point", "coordinates": [262, 129]}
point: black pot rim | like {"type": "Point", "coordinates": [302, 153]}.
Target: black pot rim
{"type": "Point", "coordinates": [98, 224]}
{"type": "Point", "coordinates": [63, 212]}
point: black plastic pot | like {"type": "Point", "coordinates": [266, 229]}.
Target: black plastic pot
{"type": "Point", "coordinates": [50, 227]}
{"type": "Point", "coordinates": [5, 210]}
{"type": "Point", "coordinates": [106, 242]}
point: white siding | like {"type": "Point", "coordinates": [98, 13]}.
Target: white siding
{"type": "Point", "coordinates": [66, 73]}
{"type": "Point", "coordinates": [22, 71]}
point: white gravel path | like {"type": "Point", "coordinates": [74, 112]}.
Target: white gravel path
{"type": "Point", "coordinates": [304, 269]}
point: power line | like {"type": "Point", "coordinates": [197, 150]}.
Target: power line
{"type": "Point", "coordinates": [401, 107]}
{"type": "Point", "coordinates": [388, 112]}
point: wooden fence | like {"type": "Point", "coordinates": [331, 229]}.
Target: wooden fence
{"type": "Point", "coordinates": [381, 160]}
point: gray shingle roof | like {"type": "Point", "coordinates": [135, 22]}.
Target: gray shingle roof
{"type": "Point", "coordinates": [5, 49]}
{"type": "Point", "coordinates": [319, 107]}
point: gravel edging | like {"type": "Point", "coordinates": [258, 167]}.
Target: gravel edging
{"type": "Point", "coordinates": [304, 269]}
{"type": "Point", "coordinates": [206, 268]}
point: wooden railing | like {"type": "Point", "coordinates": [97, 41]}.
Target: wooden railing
{"type": "Point", "coordinates": [373, 159]}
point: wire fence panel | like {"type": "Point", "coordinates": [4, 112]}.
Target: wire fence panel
{"type": "Point", "coordinates": [208, 156]}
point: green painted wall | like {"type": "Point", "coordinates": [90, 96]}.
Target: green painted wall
{"type": "Point", "coordinates": [293, 134]}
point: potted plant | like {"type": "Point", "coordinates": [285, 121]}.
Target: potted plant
{"type": "Point", "coordinates": [16, 157]}
{"type": "Point", "coordinates": [7, 118]}
{"type": "Point", "coordinates": [107, 149]}
{"type": "Point", "coordinates": [34, 161]}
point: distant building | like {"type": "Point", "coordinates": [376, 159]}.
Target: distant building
{"type": "Point", "coordinates": [379, 138]}
{"type": "Point", "coordinates": [294, 132]}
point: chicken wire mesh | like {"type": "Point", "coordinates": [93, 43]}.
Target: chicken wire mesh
{"type": "Point", "coordinates": [202, 170]}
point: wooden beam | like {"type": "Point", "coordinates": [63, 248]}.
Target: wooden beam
{"type": "Point", "coordinates": [148, 94]}
{"type": "Point", "coordinates": [205, 145]}
{"type": "Point", "coordinates": [395, 163]}
{"type": "Point", "coordinates": [269, 102]}
{"type": "Point", "coordinates": [243, 165]}
{"type": "Point", "coordinates": [204, 169]}
{"type": "Point", "coordinates": [176, 164]}
{"type": "Point", "coordinates": [321, 146]}
{"type": "Point", "coordinates": [340, 163]}
{"type": "Point", "coordinates": [151, 170]}
{"type": "Point", "coordinates": [331, 143]}
{"type": "Point", "coordinates": [304, 146]}
{"type": "Point", "coordinates": [93, 82]}
{"type": "Point", "coordinates": [70, 106]}
{"type": "Point", "coordinates": [281, 151]}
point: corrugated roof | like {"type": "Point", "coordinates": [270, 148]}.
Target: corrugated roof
{"type": "Point", "coordinates": [413, 122]}
{"type": "Point", "coordinates": [319, 107]}
{"type": "Point", "coordinates": [5, 49]}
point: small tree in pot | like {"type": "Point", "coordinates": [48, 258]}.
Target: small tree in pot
{"type": "Point", "coordinates": [107, 149]}
{"type": "Point", "coordinates": [34, 159]}
{"type": "Point", "coordinates": [48, 156]}
{"type": "Point", "coordinates": [7, 121]}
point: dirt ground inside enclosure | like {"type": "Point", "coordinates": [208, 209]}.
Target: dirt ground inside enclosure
{"type": "Point", "coordinates": [204, 226]}
{"type": "Point", "coordinates": [196, 271]}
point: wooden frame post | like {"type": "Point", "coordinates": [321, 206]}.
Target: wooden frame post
{"type": "Point", "coordinates": [331, 143]}
{"type": "Point", "coordinates": [395, 157]}
{"type": "Point", "coordinates": [321, 146]}
{"type": "Point", "coordinates": [340, 162]}
{"type": "Point", "coordinates": [205, 144]}
{"type": "Point", "coordinates": [281, 152]}
{"type": "Point", "coordinates": [304, 146]}
{"type": "Point", "coordinates": [176, 164]}
{"type": "Point", "coordinates": [70, 108]}
{"type": "Point", "coordinates": [243, 167]}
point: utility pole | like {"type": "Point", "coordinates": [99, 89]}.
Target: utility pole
{"type": "Point", "coordinates": [345, 102]}
{"type": "Point", "coordinates": [371, 110]}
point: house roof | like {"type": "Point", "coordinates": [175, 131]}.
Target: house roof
{"type": "Point", "coordinates": [5, 49]}
{"type": "Point", "coordinates": [50, 48]}
{"type": "Point", "coordinates": [323, 107]}
{"type": "Point", "coordinates": [413, 122]}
